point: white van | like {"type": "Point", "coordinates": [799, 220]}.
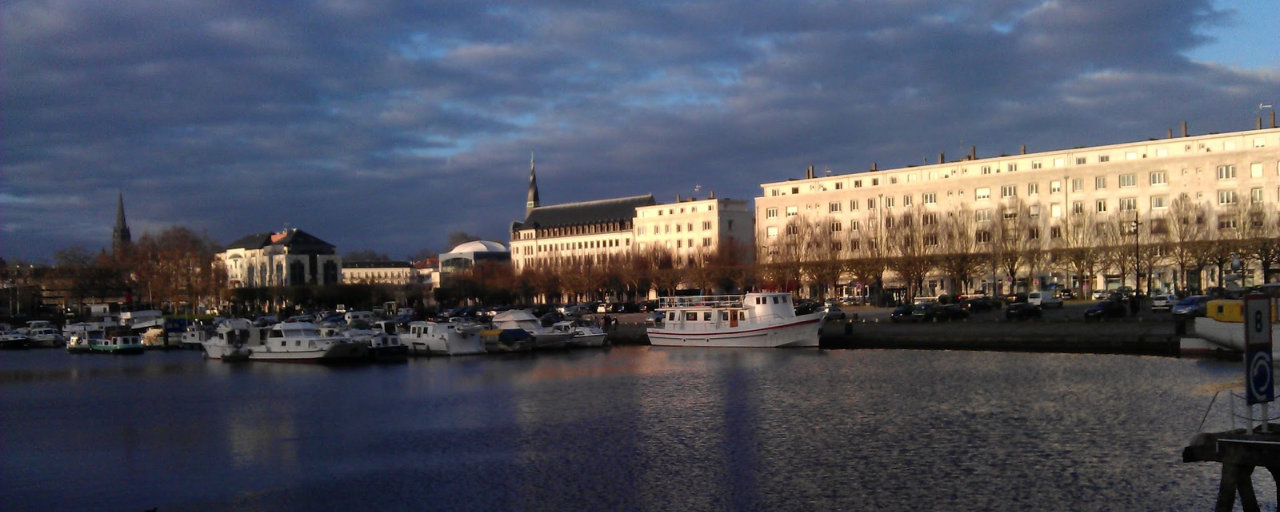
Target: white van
{"type": "Point", "coordinates": [1044, 299]}
{"type": "Point", "coordinates": [358, 316]}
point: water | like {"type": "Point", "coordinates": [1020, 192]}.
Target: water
{"type": "Point", "coordinates": [631, 428]}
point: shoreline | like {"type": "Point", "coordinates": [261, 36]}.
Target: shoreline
{"type": "Point", "coordinates": [1121, 336]}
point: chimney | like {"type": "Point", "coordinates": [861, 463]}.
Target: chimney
{"type": "Point", "coordinates": [1171, 133]}
{"type": "Point", "coordinates": [1273, 118]}
{"type": "Point", "coordinates": [1184, 128]}
{"type": "Point", "coordinates": [873, 166]}
{"type": "Point", "coordinates": [973, 152]}
{"type": "Point", "coordinates": [1024, 149]}
{"type": "Point", "coordinates": [942, 157]}
{"type": "Point", "coordinates": [677, 198]}
{"type": "Point", "coordinates": [811, 175]}
{"type": "Point", "coordinates": [1259, 127]}
{"type": "Point", "coordinates": [713, 195]}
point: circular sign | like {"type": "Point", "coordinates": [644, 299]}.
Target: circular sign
{"type": "Point", "coordinates": [1260, 384]}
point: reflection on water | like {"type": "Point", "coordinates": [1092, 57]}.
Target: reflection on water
{"type": "Point", "coordinates": [630, 428]}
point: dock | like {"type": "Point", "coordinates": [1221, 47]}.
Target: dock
{"type": "Point", "coordinates": [1240, 452]}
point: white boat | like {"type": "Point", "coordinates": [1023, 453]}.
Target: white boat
{"type": "Point", "coordinates": [581, 333]}
{"type": "Point", "coordinates": [749, 320]}
{"type": "Point", "coordinates": [386, 347]}
{"type": "Point", "coordinates": [13, 340]}
{"type": "Point", "coordinates": [80, 336]}
{"type": "Point", "coordinates": [1222, 328]}
{"type": "Point", "coordinates": [299, 342]}
{"type": "Point", "coordinates": [128, 344]}
{"type": "Point", "coordinates": [456, 337]}
{"type": "Point", "coordinates": [46, 337]}
{"type": "Point", "coordinates": [230, 341]}
{"type": "Point", "coordinates": [544, 337]}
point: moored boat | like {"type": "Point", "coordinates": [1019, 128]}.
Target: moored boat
{"type": "Point", "coordinates": [581, 333]}
{"type": "Point", "coordinates": [544, 337]}
{"type": "Point", "coordinates": [44, 337]}
{"type": "Point", "coordinates": [749, 320]}
{"type": "Point", "coordinates": [13, 340]}
{"type": "Point", "coordinates": [121, 344]}
{"type": "Point", "coordinates": [230, 340]}
{"type": "Point", "coordinates": [302, 342]}
{"type": "Point", "coordinates": [80, 336]}
{"type": "Point", "coordinates": [456, 337]}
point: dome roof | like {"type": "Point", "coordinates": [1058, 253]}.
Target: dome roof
{"type": "Point", "coordinates": [480, 246]}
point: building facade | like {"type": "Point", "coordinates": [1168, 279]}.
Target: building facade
{"type": "Point", "coordinates": [1036, 213]}
{"type": "Point", "coordinates": [566, 234]}
{"type": "Point", "coordinates": [286, 258]}
{"type": "Point", "coordinates": [694, 230]}
{"type": "Point", "coordinates": [378, 272]}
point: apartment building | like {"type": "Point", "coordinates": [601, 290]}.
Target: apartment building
{"type": "Point", "coordinates": [291, 257]}
{"type": "Point", "coordinates": [693, 229]}
{"type": "Point", "coordinates": [1047, 194]}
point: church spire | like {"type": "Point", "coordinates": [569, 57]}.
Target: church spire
{"type": "Point", "coordinates": [120, 237]}
{"type": "Point", "coordinates": [532, 201]}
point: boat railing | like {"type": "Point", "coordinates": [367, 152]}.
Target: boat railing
{"type": "Point", "coordinates": [718, 301]}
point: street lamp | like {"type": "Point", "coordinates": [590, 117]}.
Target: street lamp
{"type": "Point", "coordinates": [1137, 264]}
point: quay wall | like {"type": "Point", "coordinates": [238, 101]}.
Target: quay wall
{"type": "Point", "coordinates": [1122, 336]}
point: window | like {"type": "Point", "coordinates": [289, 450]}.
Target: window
{"type": "Point", "coordinates": [1226, 172]}
{"type": "Point", "coordinates": [871, 204]}
{"type": "Point", "coordinates": [1226, 197]}
{"type": "Point", "coordinates": [795, 190]}
{"type": "Point", "coordinates": [836, 227]}
{"type": "Point", "coordinates": [853, 225]}
{"type": "Point", "coordinates": [1033, 189]}
{"type": "Point", "coordinates": [929, 198]}
{"type": "Point", "coordinates": [1128, 204]}
{"type": "Point", "coordinates": [1104, 158]}
{"type": "Point", "coordinates": [1055, 187]}
{"type": "Point", "coordinates": [1100, 182]}
{"type": "Point", "coordinates": [793, 229]}
{"type": "Point", "coordinates": [857, 183]}
{"type": "Point", "coordinates": [706, 242]}
{"type": "Point", "coordinates": [982, 193]}
{"type": "Point", "coordinates": [706, 225]}
{"type": "Point", "coordinates": [1010, 214]}
{"type": "Point", "coordinates": [853, 204]}
{"type": "Point", "coordinates": [906, 200]}
{"type": "Point", "coordinates": [982, 215]}
{"type": "Point", "coordinates": [1008, 191]}
{"type": "Point", "coordinates": [1101, 206]}
{"type": "Point", "coordinates": [839, 185]}
{"type": "Point", "coordinates": [1128, 180]}
{"type": "Point", "coordinates": [1159, 178]}
{"type": "Point", "coordinates": [1055, 232]}
{"type": "Point", "coordinates": [1034, 211]}
{"type": "Point", "coordinates": [875, 181]}
{"type": "Point", "coordinates": [1077, 207]}
{"type": "Point", "coordinates": [1080, 160]}
{"type": "Point", "coordinates": [833, 207]}
{"type": "Point", "coordinates": [792, 211]}
{"type": "Point", "coordinates": [1033, 234]}
{"type": "Point", "coordinates": [1012, 167]}
{"type": "Point", "coordinates": [931, 240]}
{"type": "Point", "coordinates": [982, 237]}
{"type": "Point", "coordinates": [1255, 195]}
{"type": "Point", "coordinates": [771, 213]}
{"type": "Point", "coordinates": [1157, 202]}
{"type": "Point", "coordinates": [888, 202]}
{"type": "Point", "coordinates": [771, 232]}
{"type": "Point", "coordinates": [1055, 210]}
{"type": "Point", "coordinates": [1077, 184]}
{"type": "Point", "coordinates": [1036, 164]}
{"type": "Point", "coordinates": [1255, 170]}
{"type": "Point", "coordinates": [986, 169]}
{"type": "Point", "coordinates": [929, 219]}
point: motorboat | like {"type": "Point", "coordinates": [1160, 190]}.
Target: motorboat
{"type": "Point", "coordinates": [44, 337]}
{"type": "Point", "coordinates": [230, 341]}
{"type": "Point", "coordinates": [122, 344]}
{"type": "Point", "coordinates": [1222, 328]}
{"type": "Point", "coordinates": [80, 336]}
{"type": "Point", "coordinates": [757, 319]}
{"type": "Point", "coordinates": [455, 337]}
{"type": "Point", "coordinates": [13, 339]}
{"type": "Point", "coordinates": [386, 347]}
{"type": "Point", "coordinates": [302, 342]}
{"type": "Point", "coordinates": [581, 333]}
{"type": "Point", "coordinates": [502, 341]}
{"type": "Point", "coordinates": [544, 337]}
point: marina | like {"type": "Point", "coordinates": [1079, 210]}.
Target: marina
{"type": "Point", "coordinates": [612, 429]}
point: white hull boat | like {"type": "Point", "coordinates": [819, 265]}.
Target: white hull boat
{"type": "Point", "coordinates": [750, 320]}
{"type": "Point", "coordinates": [544, 338]}
{"type": "Point", "coordinates": [456, 337]}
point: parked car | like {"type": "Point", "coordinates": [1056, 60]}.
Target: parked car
{"type": "Point", "coordinates": [1106, 309]}
{"type": "Point", "coordinates": [1100, 294]}
{"type": "Point", "coordinates": [1022, 311]}
{"type": "Point", "coordinates": [1067, 294]}
{"type": "Point", "coordinates": [832, 311]}
{"type": "Point", "coordinates": [900, 314]}
{"type": "Point", "coordinates": [1190, 307]}
{"type": "Point", "coordinates": [924, 312]}
{"type": "Point", "coordinates": [1015, 298]}
{"type": "Point", "coordinates": [979, 304]}
{"type": "Point", "coordinates": [949, 312]}
{"type": "Point", "coordinates": [1044, 299]}
{"type": "Point", "coordinates": [1162, 302]}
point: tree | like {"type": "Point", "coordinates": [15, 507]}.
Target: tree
{"type": "Point", "coordinates": [1186, 225]}
{"type": "Point", "coordinates": [824, 254]}
{"type": "Point", "coordinates": [1260, 238]}
{"type": "Point", "coordinates": [912, 247]}
{"type": "Point", "coordinates": [959, 251]}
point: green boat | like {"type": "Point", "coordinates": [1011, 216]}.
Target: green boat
{"type": "Point", "coordinates": [123, 344]}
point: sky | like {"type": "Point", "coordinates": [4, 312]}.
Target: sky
{"type": "Point", "coordinates": [386, 126]}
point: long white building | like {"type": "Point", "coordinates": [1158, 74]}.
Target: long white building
{"type": "Point", "coordinates": [1049, 196]}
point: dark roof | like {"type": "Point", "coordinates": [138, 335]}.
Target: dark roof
{"type": "Point", "coordinates": [296, 240]}
{"type": "Point", "coordinates": [591, 212]}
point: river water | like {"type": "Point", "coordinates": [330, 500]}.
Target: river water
{"type": "Point", "coordinates": [627, 428]}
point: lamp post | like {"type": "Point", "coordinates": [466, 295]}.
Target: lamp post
{"type": "Point", "coordinates": [1137, 265]}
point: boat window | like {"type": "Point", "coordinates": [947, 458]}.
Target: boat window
{"type": "Point", "coordinates": [690, 316]}
{"type": "Point", "coordinates": [724, 316]}
{"type": "Point", "coordinates": [671, 315]}
{"type": "Point", "coordinates": [706, 316]}
{"type": "Point", "coordinates": [284, 343]}
{"type": "Point", "coordinates": [775, 299]}
{"type": "Point", "coordinates": [742, 315]}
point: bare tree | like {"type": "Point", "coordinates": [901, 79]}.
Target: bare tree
{"type": "Point", "coordinates": [1260, 238]}
{"type": "Point", "coordinates": [1186, 221]}
{"type": "Point", "coordinates": [912, 247]}
{"type": "Point", "coordinates": [960, 255]}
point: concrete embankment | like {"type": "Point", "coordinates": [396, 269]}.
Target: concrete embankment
{"type": "Point", "coordinates": [1124, 336]}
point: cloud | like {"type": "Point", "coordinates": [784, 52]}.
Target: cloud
{"type": "Point", "coordinates": [387, 125]}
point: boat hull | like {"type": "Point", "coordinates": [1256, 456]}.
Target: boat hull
{"type": "Point", "coordinates": [802, 332]}
{"type": "Point", "coordinates": [335, 353]}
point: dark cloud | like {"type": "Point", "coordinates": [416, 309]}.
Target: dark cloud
{"type": "Point", "coordinates": [388, 125]}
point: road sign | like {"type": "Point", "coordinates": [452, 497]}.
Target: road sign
{"type": "Point", "coordinates": [1259, 372]}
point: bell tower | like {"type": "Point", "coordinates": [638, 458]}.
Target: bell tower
{"type": "Point", "coordinates": [532, 202]}
{"type": "Point", "coordinates": [120, 237]}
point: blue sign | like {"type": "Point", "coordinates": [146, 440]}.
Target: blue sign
{"type": "Point", "coordinates": [1259, 372]}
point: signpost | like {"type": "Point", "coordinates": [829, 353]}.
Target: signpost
{"type": "Point", "coordinates": [1259, 373]}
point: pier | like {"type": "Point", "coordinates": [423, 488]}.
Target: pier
{"type": "Point", "coordinates": [1240, 452]}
